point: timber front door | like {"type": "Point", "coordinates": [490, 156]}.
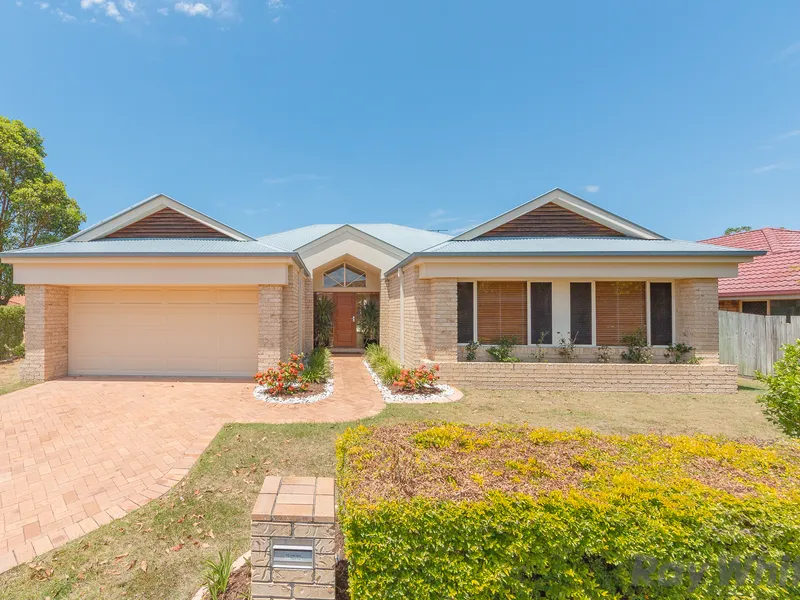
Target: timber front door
{"type": "Point", "coordinates": [344, 322]}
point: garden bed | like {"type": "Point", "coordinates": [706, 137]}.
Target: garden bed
{"type": "Point", "coordinates": [436, 393]}
{"type": "Point", "coordinates": [297, 381]}
{"type": "Point", "coordinates": [315, 393]}
{"type": "Point", "coordinates": [512, 511]}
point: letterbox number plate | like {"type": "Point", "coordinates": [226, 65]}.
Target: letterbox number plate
{"type": "Point", "coordinates": [297, 556]}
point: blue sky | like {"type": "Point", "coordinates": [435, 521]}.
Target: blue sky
{"type": "Point", "coordinates": [272, 114]}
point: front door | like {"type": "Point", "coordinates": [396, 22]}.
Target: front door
{"type": "Point", "coordinates": [344, 322]}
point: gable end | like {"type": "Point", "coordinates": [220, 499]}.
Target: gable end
{"type": "Point", "coordinates": [552, 220]}
{"type": "Point", "coordinates": [167, 223]}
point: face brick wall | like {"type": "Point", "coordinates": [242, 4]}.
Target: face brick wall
{"type": "Point", "coordinates": [46, 332]}
{"type": "Point", "coordinates": [390, 315]}
{"type": "Point", "coordinates": [655, 379]}
{"type": "Point", "coordinates": [290, 341]}
{"type": "Point", "coordinates": [308, 314]}
{"type": "Point", "coordinates": [270, 325]}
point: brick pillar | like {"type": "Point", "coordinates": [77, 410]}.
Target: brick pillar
{"type": "Point", "coordinates": [299, 513]}
{"type": "Point", "coordinates": [308, 314]}
{"type": "Point", "coordinates": [270, 325]}
{"type": "Point", "coordinates": [445, 319]}
{"type": "Point", "coordinates": [697, 318]}
{"type": "Point", "coordinates": [290, 340]}
{"type": "Point", "coordinates": [46, 333]}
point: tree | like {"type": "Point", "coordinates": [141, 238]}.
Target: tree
{"type": "Point", "coordinates": [781, 401]}
{"type": "Point", "coordinates": [34, 205]}
{"type": "Point", "coordinates": [741, 229]}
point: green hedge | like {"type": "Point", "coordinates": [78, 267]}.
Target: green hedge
{"type": "Point", "coordinates": [12, 327]}
{"type": "Point", "coordinates": [449, 512]}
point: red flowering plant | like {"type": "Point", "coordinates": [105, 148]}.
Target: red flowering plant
{"type": "Point", "coordinates": [414, 380]}
{"type": "Point", "coordinates": [286, 379]}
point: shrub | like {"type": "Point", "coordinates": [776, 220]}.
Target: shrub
{"type": "Point", "coordinates": [455, 511]}
{"type": "Point", "coordinates": [471, 351]}
{"type": "Point", "coordinates": [566, 347]}
{"type": "Point", "coordinates": [503, 351]}
{"type": "Point", "coordinates": [385, 367]}
{"type": "Point", "coordinates": [369, 322]}
{"type": "Point", "coordinates": [317, 366]}
{"type": "Point", "coordinates": [681, 353]}
{"type": "Point", "coordinates": [217, 574]}
{"type": "Point", "coordinates": [781, 401]}
{"type": "Point", "coordinates": [413, 380]}
{"type": "Point", "coordinates": [285, 380]}
{"type": "Point", "coordinates": [638, 351]}
{"type": "Point", "coordinates": [12, 329]}
{"type": "Point", "coordinates": [540, 354]}
{"type": "Point", "coordinates": [603, 354]}
{"type": "Point", "coordinates": [323, 320]}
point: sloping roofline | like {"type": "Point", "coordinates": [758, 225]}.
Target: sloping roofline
{"type": "Point", "coordinates": [147, 207]}
{"type": "Point", "coordinates": [570, 202]}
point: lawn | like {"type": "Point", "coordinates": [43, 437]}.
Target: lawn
{"type": "Point", "coordinates": [9, 378]}
{"type": "Point", "coordinates": [157, 552]}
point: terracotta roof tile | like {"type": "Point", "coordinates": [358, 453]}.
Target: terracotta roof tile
{"type": "Point", "coordinates": [776, 273]}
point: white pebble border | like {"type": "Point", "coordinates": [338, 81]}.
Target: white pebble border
{"type": "Point", "coordinates": [446, 393]}
{"type": "Point", "coordinates": [238, 564]}
{"type": "Point", "coordinates": [260, 393]}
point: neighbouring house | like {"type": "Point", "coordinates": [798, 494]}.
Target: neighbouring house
{"type": "Point", "coordinates": [162, 289]}
{"type": "Point", "coordinates": [770, 285]}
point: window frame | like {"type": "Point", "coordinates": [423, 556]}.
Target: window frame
{"type": "Point", "coordinates": [345, 285]}
{"type": "Point", "coordinates": [553, 280]}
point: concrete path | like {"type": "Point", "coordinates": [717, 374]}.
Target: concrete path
{"type": "Point", "coordinates": [76, 453]}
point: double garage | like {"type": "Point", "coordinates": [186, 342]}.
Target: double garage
{"type": "Point", "coordinates": [166, 331]}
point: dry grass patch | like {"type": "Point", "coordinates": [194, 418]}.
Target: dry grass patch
{"type": "Point", "coordinates": [449, 461]}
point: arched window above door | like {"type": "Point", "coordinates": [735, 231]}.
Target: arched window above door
{"type": "Point", "coordinates": [344, 275]}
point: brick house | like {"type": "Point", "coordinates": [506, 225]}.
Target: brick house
{"type": "Point", "coordinates": [161, 289]}
{"type": "Point", "coordinates": [770, 284]}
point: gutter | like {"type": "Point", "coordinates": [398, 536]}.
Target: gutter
{"type": "Point", "coordinates": [718, 254]}
{"type": "Point", "coordinates": [34, 255]}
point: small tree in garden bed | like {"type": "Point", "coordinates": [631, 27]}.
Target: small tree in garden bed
{"type": "Point", "coordinates": [413, 380]}
{"type": "Point", "coordinates": [285, 380]}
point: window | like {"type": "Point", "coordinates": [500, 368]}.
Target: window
{"type": "Point", "coordinates": [785, 307]}
{"type": "Point", "coordinates": [621, 310]}
{"type": "Point", "coordinates": [755, 308]}
{"type": "Point", "coordinates": [580, 312]}
{"type": "Point", "coordinates": [466, 312]}
{"type": "Point", "coordinates": [344, 276]}
{"type": "Point", "coordinates": [542, 313]}
{"type": "Point", "coordinates": [661, 314]}
{"type": "Point", "coordinates": [502, 311]}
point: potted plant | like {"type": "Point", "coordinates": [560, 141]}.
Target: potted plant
{"type": "Point", "coordinates": [369, 322]}
{"type": "Point", "coordinates": [323, 321]}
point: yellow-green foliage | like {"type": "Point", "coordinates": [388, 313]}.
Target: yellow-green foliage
{"type": "Point", "coordinates": [634, 519]}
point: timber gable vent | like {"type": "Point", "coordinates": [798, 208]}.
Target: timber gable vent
{"type": "Point", "coordinates": [167, 223]}
{"type": "Point", "coordinates": [551, 220]}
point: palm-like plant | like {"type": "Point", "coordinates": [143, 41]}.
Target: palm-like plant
{"type": "Point", "coordinates": [324, 307]}
{"type": "Point", "coordinates": [369, 321]}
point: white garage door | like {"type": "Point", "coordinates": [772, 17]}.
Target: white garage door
{"type": "Point", "coordinates": [163, 331]}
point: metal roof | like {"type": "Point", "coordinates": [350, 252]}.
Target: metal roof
{"type": "Point", "coordinates": [152, 247]}
{"type": "Point", "coordinates": [407, 239]}
{"type": "Point", "coordinates": [576, 246]}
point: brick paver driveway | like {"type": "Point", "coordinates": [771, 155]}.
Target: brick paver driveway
{"type": "Point", "coordinates": [76, 453]}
